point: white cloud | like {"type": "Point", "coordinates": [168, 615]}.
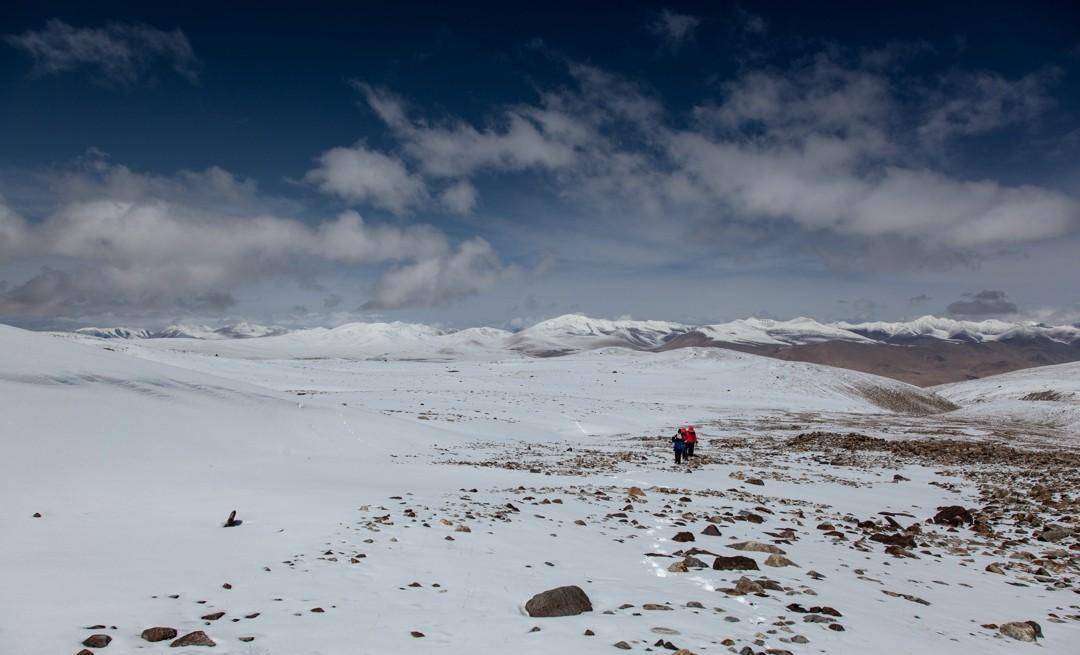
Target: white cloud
{"type": "Point", "coordinates": [361, 175]}
{"type": "Point", "coordinates": [459, 197]}
{"type": "Point", "coordinates": [523, 138]}
{"type": "Point", "coordinates": [119, 52]}
{"type": "Point", "coordinates": [136, 251]}
{"type": "Point", "coordinates": [473, 267]}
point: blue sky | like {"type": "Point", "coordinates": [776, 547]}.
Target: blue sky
{"type": "Point", "coordinates": [314, 164]}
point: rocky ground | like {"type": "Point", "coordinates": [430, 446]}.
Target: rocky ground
{"type": "Point", "coordinates": [808, 543]}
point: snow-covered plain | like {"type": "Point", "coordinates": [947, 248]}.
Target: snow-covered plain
{"type": "Point", "coordinates": [353, 478]}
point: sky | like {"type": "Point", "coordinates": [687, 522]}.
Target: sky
{"type": "Point", "coordinates": [320, 163]}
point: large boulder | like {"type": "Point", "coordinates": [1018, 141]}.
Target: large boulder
{"type": "Point", "coordinates": [736, 563]}
{"type": "Point", "coordinates": [561, 601]}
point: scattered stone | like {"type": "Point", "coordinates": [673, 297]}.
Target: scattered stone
{"type": "Point", "coordinates": [561, 601]}
{"type": "Point", "coordinates": [231, 522]}
{"type": "Point", "coordinates": [622, 644]}
{"type": "Point", "coordinates": [635, 492]}
{"type": "Point", "coordinates": [213, 616]}
{"type": "Point", "coordinates": [656, 607]}
{"type": "Point", "coordinates": [736, 563]}
{"type": "Point", "coordinates": [757, 481]}
{"type": "Point", "coordinates": [417, 634]}
{"type": "Point", "coordinates": [953, 516]}
{"type": "Point", "coordinates": [747, 586]}
{"type": "Point", "coordinates": [1022, 630]}
{"type": "Point", "coordinates": [711, 530]}
{"type": "Point", "coordinates": [778, 561]}
{"type": "Point", "coordinates": [904, 540]}
{"type": "Point", "coordinates": [197, 638]}
{"type": "Point", "coordinates": [97, 641]}
{"type": "Point", "coordinates": [757, 547]}
{"type": "Point", "coordinates": [158, 634]}
{"type": "Point", "coordinates": [683, 537]}
{"type": "Point", "coordinates": [913, 599]}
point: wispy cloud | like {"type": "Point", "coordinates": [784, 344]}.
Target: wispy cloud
{"type": "Point", "coordinates": [118, 53]}
{"type": "Point", "coordinates": [673, 28]}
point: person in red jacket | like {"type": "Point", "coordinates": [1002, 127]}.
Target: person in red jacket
{"type": "Point", "coordinates": [691, 440]}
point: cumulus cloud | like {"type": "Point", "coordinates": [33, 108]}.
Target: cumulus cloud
{"type": "Point", "coordinates": [674, 28]}
{"type": "Point", "coordinates": [473, 267]}
{"type": "Point", "coordinates": [362, 175]}
{"type": "Point", "coordinates": [983, 303]}
{"type": "Point", "coordinates": [119, 53]}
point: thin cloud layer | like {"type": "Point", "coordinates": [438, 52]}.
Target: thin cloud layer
{"type": "Point", "coordinates": [119, 53]}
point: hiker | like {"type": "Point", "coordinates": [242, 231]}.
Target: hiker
{"type": "Point", "coordinates": [690, 437]}
{"type": "Point", "coordinates": [679, 442]}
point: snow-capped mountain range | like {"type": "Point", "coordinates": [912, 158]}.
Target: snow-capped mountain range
{"type": "Point", "coordinates": [576, 332]}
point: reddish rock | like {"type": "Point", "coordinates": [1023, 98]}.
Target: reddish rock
{"type": "Point", "coordinates": [197, 638]}
{"type": "Point", "coordinates": [97, 641]}
{"type": "Point", "coordinates": [158, 634]}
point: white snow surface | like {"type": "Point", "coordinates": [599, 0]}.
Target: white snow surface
{"type": "Point", "coordinates": [134, 455]}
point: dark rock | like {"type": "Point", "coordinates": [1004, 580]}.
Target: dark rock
{"type": "Point", "coordinates": [197, 638]}
{"type": "Point", "coordinates": [902, 540]}
{"type": "Point", "coordinates": [622, 644]}
{"type": "Point", "coordinates": [561, 601]}
{"type": "Point", "coordinates": [231, 522]}
{"type": "Point", "coordinates": [417, 634]}
{"type": "Point", "coordinates": [97, 641]}
{"type": "Point", "coordinates": [158, 634]}
{"type": "Point", "coordinates": [711, 530]}
{"type": "Point", "coordinates": [213, 616]}
{"type": "Point", "coordinates": [736, 563]}
{"type": "Point", "coordinates": [953, 516]}
{"type": "Point", "coordinates": [683, 537]}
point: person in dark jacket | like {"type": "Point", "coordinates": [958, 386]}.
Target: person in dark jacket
{"type": "Point", "coordinates": [690, 437]}
{"type": "Point", "coordinates": [679, 443]}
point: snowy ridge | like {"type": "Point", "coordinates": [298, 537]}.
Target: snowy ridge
{"type": "Point", "coordinates": [114, 333]}
{"type": "Point", "coordinates": [1045, 395]}
{"type": "Point", "coordinates": [568, 334]}
{"type": "Point", "coordinates": [954, 330]}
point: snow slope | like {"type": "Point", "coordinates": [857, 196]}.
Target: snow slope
{"type": "Point", "coordinates": [1046, 395]}
{"type": "Point", "coordinates": [134, 456]}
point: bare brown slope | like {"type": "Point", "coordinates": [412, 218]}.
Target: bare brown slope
{"type": "Point", "coordinates": [922, 362]}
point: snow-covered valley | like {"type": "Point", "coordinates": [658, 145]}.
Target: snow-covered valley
{"type": "Point", "coordinates": [415, 506]}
